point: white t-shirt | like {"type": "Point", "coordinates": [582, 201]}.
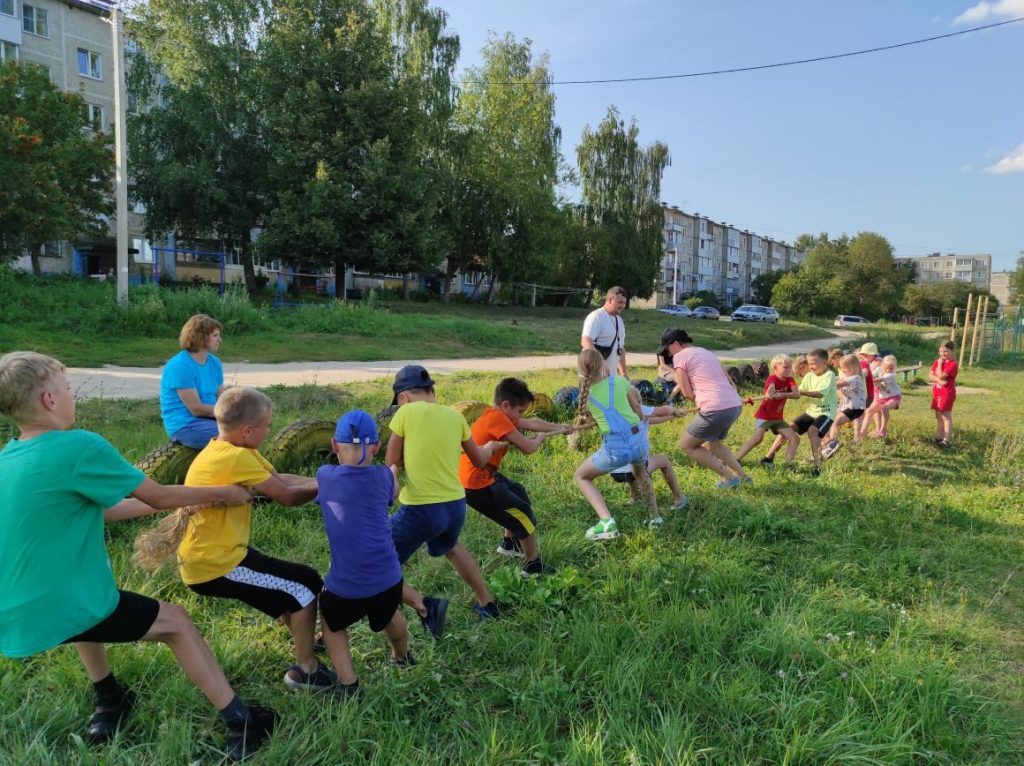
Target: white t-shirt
{"type": "Point", "coordinates": [600, 327]}
{"type": "Point", "coordinates": [855, 396]}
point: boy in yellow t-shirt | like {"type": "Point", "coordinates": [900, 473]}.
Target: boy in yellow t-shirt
{"type": "Point", "coordinates": [215, 558]}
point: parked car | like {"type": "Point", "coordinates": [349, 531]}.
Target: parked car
{"type": "Point", "coordinates": [675, 310]}
{"type": "Point", "coordinates": [849, 320]}
{"type": "Point", "coordinates": [751, 313]}
{"type": "Point", "coordinates": [704, 312]}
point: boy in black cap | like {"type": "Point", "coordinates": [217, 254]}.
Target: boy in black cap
{"type": "Point", "coordinates": [427, 440]}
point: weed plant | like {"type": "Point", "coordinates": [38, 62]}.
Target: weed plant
{"type": "Point", "coordinates": [868, 616]}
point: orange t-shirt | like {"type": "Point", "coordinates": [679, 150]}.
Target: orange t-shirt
{"type": "Point", "coordinates": [493, 425]}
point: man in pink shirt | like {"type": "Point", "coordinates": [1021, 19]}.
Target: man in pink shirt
{"type": "Point", "coordinates": [700, 378]}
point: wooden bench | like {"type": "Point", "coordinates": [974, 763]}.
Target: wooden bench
{"type": "Point", "coordinates": [906, 373]}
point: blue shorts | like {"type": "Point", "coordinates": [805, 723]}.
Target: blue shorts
{"type": "Point", "coordinates": [436, 524]}
{"type": "Point", "coordinates": [613, 455]}
{"type": "Point", "coordinates": [196, 434]}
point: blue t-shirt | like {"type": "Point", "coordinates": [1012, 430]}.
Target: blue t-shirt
{"type": "Point", "coordinates": [182, 371]}
{"type": "Point", "coordinates": [55, 575]}
{"type": "Point", "coordinates": [354, 503]}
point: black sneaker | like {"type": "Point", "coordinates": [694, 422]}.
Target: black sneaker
{"type": "Point", "coordinates": [487, 611]}
{"type": "Point", "coordinates": [319, 680]}
{"type": "Point", "coordinates": [437, 610]}
{"type": "Point", "coordinates": [107, 718]}
{"type": "Point", "coordinates": [536, 567]}
{"type": "Point", "coordinates": [767, 461]}
{"type": "Point", "coordinates": [404, 662]}
{"type": "Point", "coordinates": [346, 691]}
{"type": "Point", "coordinates": [248, 737]}
{"type": "Point", "coordinates": [510, 547]}
{"type": "Point", "coordinates": [815, 472]}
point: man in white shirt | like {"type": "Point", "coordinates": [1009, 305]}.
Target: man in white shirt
{"type": "Point", "coordinates": [605, 330]}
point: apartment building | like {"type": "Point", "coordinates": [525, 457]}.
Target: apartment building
{"type": "Point", "coordinates": [999, 286]}
{"type": "Point", "coordinates": [975, 270]}
{"type": "Point", "coordinates": [701, 254]}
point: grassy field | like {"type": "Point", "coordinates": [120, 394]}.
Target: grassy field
{"type": "Point", "coordinates": [869, 616]}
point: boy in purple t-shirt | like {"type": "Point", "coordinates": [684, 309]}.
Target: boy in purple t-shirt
{"type": "Point", "coordinates": [365, 578]}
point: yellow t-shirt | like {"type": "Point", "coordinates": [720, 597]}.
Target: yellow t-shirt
{"type": "Point", "coordinates": [433, 435]}
{"type": "Point", "coordinates": [217, 539]}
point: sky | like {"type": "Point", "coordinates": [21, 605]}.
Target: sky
{"type": "Point", "coordinates": [924, 144]}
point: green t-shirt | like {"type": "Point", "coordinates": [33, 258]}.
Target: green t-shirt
{"type": "Point", "coordinates": [599, 392]}
{"type": "Point", "coordinates": [55, 576]}
{"type": "Point", "coordinates": [825, 383]}
{"type": "Point", "coordinates": [433, 436]}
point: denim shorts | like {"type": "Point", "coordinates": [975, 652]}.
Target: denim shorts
{"type": "Point", "coordinates": [436, 524]}
{"type": "Point", "coordinates": [613, 455]}
{"type": "Point", "coordinates": [196, 434]}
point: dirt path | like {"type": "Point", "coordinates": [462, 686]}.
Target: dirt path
{"type": "Point", "coordinates": [110, 382]}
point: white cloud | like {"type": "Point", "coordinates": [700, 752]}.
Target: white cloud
{"type": "Point", "coordinates": [1011, 163]}
{"type": "Point", "coordinates": [986, 11]}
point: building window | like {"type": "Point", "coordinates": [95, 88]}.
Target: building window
{"type": "Point", "coordinates": [8, 51]}
{"type": "Point", "coordinates": [89, 64]}
{"type": "Point", "coordinates": [33, 21]}
{"type": "Point", "coordinates": [92, 116]}
{"type": "Point", "coordinates": [7, 7]}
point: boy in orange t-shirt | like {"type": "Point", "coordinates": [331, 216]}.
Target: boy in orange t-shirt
{"type": "Point", "coordinates": [494, 495]}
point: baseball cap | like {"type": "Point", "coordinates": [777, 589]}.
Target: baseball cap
{"type": "Point", "coordinates": [356, 427]}
{"type": "Point", "coordinates": [869, 349]}
{"type": "Point", "coordinates": [672, 336]}
{"type": "Point", "coordinates": [409, 377]}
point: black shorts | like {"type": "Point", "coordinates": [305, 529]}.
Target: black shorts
{"type": "Point", "coordinates": [506, 503]}
{"type": "Point", "coordinates": [273, 586]}
{"type": "Point", "coordinates": [626, 477]}
{"type": "Point", "coordinates": [339, 612]}
{"type": "Point", "coordinates": [804, 422]}
{"type": "Point", "coordinates": [853, 414]}
{"type": "Point", "coordinates": [131, 619]}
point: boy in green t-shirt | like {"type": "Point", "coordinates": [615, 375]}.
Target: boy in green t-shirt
{"type": "Point", "coordinates": [56, 582]}
{"type": "Point", "coordinates": [820, 384]}
{"type": "Point", "coordinates": [426, 440]}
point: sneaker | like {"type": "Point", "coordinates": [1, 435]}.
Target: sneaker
{"type": "Point", "coordinates": [942, 444]}
{"type": "Point", "coordinates": [510, 547]}
{"type": "Point", "coordinates": [747, 480]}
{"type": "Point", "coordinates": [605, 529]}
{"type": "Point", "coordinates": [437, 609]}
{"type": "Point", "coordinates": [830, 449]}
{"type": "Point", "coordinates": [107, 718]}
{"type": "Point", "coordinates": [316, 681]}
{"type": "Point", "coordinates": [815, 472]}
{"type": "Point", "coordinates": [767, 461]}
{"type": "Point", "coordinates": [407, 661]}
{"type": "Point", "coordinates": [246, 738]}
{"type": "Point", "coordinates": [536, 567]}
{"type": "Point", "coordinates": [346, 691]}
{"type": "Point", "coordinates": [731, 483]}
{"type": "Point", "coordinates": [681, 503]}
{"type": "Point", "coordinates": [654, 523]}
{"type": "Point", "coordinates": [487, 611]}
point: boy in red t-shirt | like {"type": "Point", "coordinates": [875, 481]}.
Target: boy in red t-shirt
{"type": "Point", "coordinates": [867, 356]}
{"type": "Point", "coordinates": [492, 494]}
{"type": "Point", "coordinates": [943, 380]}
{"type": "Point", "coordinates": [779, 387]}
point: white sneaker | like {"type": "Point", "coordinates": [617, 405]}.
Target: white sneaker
{"type": "Point", "coordinates": [830, 449]}
{"type": "Point", "coordinates": [683, 502]}
{"type": "Point", "coordinates": [605, 529]}
{"type": "Point", "coordinates": [654, 523]}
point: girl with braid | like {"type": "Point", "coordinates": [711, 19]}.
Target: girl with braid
{"type": "Point", "coordinates": [614, 406]}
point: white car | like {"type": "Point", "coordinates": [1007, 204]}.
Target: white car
{"type": "Point", "coordinates": [849, 320]}
{"type": "Point", "coordinates": [675, 310]}
{"type": "Point", "coordinates": [751, 313]}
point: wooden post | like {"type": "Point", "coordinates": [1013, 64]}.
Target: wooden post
{"type": "Point", "coordinates": [952, 330]}
{"type": "Point", "coordinates": [967, 327]}
{"type": "Point", "coordinates": [979, 333]}
{"type": "Point", "coordinates": [974, 337]}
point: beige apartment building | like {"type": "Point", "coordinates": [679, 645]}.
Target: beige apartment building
{"type": "Point", "coordinates": [975, 270]}
{"type": "Point", "coordinates": [1000, 287]}
{"type": "Point", "coordinates": [702, 254]}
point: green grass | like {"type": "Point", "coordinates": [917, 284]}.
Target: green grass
{"type": "Point", "coordinates": [870, 616]}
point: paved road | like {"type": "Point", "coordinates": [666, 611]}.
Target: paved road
{"type": "Point", "coordinates": [110, 382]}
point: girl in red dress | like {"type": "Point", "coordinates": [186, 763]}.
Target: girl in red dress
{"type": "Point", "coordinates": [943, 380]}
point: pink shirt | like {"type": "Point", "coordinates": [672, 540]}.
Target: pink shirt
{"type": "Point", "coordinates": [711, 386]}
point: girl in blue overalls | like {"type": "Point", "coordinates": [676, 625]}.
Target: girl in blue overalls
{"type": "Point", "coordinates": [615, 407]}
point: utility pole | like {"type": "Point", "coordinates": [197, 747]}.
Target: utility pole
{"type": "Point", "coordinates": [120, 155]}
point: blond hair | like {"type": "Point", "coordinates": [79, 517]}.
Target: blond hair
{"type": "Point", "coordinates": [850, 362]}
{"type": "Point", "coordinates": [889, 360]}
{"type": "Point", "coordinates": [197, 330]}
{"type": "Point", "coordinates": [23, 375]}
{"type": "Point", "coordinates": [589, 365]}
{"type": "Point", "coordinates": [778, 360]}
{"type": "Point", "coordinates": [241, 406]}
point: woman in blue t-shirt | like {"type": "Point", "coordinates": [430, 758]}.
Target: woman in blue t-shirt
{"type": "Point", "coordinates": [191, 382]}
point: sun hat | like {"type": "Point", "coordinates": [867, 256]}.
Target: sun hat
{"type": "Point", "coordinates": [868, 349]}
{"type": "Point", "coordinates": [409, 377]}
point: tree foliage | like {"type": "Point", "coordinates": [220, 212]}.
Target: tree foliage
{"type": "Point", "coordinates": [940, 298]}
{"type": "Point", "coordinates": [621, 192]}
{"type": "Point", "coordinates": [55, 178]}
{"type": "Point", "coordinates": [763, 284]}
{"type": "Point", "coordinates": [1017, 282]}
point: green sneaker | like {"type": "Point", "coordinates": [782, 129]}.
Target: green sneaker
{"type": "Point", "coordinates": [605, 529]}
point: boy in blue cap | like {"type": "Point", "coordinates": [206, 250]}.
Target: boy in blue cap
{"type": "Point", "coordinates": [365, 578]}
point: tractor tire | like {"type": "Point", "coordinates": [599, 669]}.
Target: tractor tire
{"type": "Point", "coordinates": [384, 427]}
{"type": "Point", "coordinates": [735, 376]}
{"type": "Point", "coordinates": [470, 410]}
{"type": "Point", "coordinates": [300, 446]}
{"type": "Point", "coordinates": [762, 370]}
{"type": "Point", "coordinates": [542, 408]}
{"type": "Point", "coordinates": [168, 463]}
{"type": "Point", "coordinates": [567, 400]}
{"type": "Point", "coordinates": [748, 374]}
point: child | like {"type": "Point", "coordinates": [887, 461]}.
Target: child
{"type": "Point", "coordinates": [943, 379]}
{"type": "Point", "coordinates": [834, 356]}
{"type": "Point", "coordinates": [779, 387]}
{"type": "Point", "coordinates": [656, 462]}
{"type": "Point", "coordinates": [56, 583]}
{"type": "Point", "coordinates": [800, 366]}
{"type": "Point", "coordinates": [615, 407]}
{"type": "Point", "coordinates": [490, 492]}
{"type": "Point", "coordinates": [853, 401]}
{"type": "Point", "coordinates": [426, 440]}
{"type": "Point", "coordinates": [819, 383]}
{"type": "Point", "coordinates": [889, 395]}
{"type": "Point", "coordinates": [215, 558]}
{"type": "Point", "coordinates": [365, 578]}
{"type": "Point", "coordinates": [867, 356]}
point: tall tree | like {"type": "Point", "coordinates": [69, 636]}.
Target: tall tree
{"type": "Point", "coordinates": [199, 144]}
{"type": "Point", "coordinates": [55, 178]}
{"type": "Point", "coordinates": [1017, 282]}
{"type": "Point", "coordinates": [621, 189]}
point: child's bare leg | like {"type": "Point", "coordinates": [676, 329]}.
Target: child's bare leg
{"type": "Point", "coordinates": [398, 635]}
{"type": "Point", "coordinates": [340, 652]}
{"type": "Point", "coordinates": [947, 425]}
{"type": "Point", "coordinates": [94, 659]}
{"type": "Point", "coordinates": [530, 548]}
{"type": "Point", "coordinates": [792, 443]}
{"type": "Point", "coordinates": [749, 444]}
{"type": "Point", "coordinates": [466, 567]}
{"type": "Point", "coordinates": [776, 446]}
{"type": "Point", "coordinates": [302, 625]}
{"type": "Point", "coordinates": [413, 599]}
{"type": "Point", "coordinates": [723, 453]}
{"type": "Point", "coordinates": [693, 446]}
{"type": "Point", "coordinates": [646, 487]}
{"type": "Point", "coordinates": [815, 442]}
{"type": "Point", "coordinates": [584, 478]}
{"type": "Point", "coordinates": [660, 462]}
{"type": "Point", "coordinates": [634, 495]}
{"type": "Point", "coordinates": [940, 428]}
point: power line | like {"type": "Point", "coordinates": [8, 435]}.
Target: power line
{"type": "Point", "coordinates": [734, 70]}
